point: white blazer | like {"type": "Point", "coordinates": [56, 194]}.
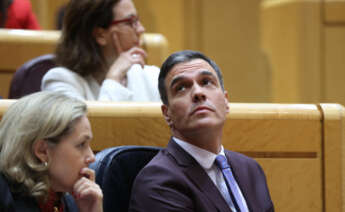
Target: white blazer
{"type": "Point", "coordinates": [142, 85]}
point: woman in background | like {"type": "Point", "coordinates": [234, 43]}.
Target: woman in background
{"type": "Point", "coordinates": [17, 14]}
{"type": "Point", "coordinates": [44, 156]}
{"type": "Point", "coordinates": [99, 54]}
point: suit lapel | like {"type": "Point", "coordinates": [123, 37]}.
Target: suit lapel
{"type": "Point", "coordinates": [198, 176]}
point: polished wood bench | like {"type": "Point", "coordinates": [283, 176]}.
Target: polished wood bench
{"type": "Point", "coordinates": [300, 146]}
{"type": "Point", "coordinates": [20, 46]}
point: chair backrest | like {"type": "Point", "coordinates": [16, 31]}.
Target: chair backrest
{"type": "Point", "coordinates": [116, 169]}
{"type": "Point", "coordinates": [28, 77]}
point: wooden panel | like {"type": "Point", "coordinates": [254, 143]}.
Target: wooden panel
{"type": "Point", "coordinates": [334, 160]}
{"type": "Point", "coordinates": [19, 46]}
{"type": "Point", "coordinates": [295, 184]}
{"type": "Point", "coordinates": [230, 36]}
{"type": "Point", "coordinates": [46, 11]}
{"type": "Point", "coordinates": [334, 11]}
{"type": "Point", "coordinates": [291, 38]}
{"type": "Point", "coordinates": [39, 7]}
{"type": "Point", "coordinates": [5, 79]}
{"type": "Point", "coordinates": [164, 17]}
{"type": "Point", "coordinates": [334, 74]}
{"type": "Point", "coordinates": [156, 46]}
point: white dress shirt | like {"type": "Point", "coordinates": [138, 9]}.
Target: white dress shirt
{"type": "Point", "coordinates": [206, 160]}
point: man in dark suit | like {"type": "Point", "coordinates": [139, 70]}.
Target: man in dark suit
{"type": "Point", "coordinates": [194, 172]}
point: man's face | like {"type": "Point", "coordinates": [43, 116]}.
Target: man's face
{"type": "Point", "coordinates": [196, 99]}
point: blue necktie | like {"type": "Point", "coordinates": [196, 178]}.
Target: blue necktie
{"type": "Point", "coordinates": [222, 163]}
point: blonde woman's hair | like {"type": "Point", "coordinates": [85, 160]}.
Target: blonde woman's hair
{"type": "Point", "coordinates": [44, 115]}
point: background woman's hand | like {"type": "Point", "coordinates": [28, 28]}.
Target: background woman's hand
{"type": "Point", "coordinates": [124, 61]}
{"type": "Point", "coordinates": [88, 195]}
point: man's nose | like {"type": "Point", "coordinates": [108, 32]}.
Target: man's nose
{"type": "Point", "coordinates": [198, 93]}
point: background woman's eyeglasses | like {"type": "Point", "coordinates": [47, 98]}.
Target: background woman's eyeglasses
{"type": "Point", "coordinates": [133, 21]}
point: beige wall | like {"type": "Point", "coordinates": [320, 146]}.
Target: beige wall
{"type": "Point", "coordinates": [46, 11]}
{"type": "Point", "coordinates": [334, 51]}
{"type": "Point", "coordinates": [225, 30]}
{"type": "Point", "coordinates": [305, 42]}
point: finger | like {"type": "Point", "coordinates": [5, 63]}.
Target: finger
{"type": "Point", "coordinates": [88, 173]}
{"type": "Point", "coordinates": [139, 60]}
{"type": "Point", "coordinates": [90, 191]}
{"type": "Point", "coordinates": [84, 187]}
{"type": "Point", "coordinates": [137, 50]}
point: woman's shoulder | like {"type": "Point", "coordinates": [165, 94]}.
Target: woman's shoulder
{"type": "Point", "coordinates": [61, 73]}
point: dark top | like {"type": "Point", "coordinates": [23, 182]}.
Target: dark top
{"type": "Point", "coordinates": [12, 202]}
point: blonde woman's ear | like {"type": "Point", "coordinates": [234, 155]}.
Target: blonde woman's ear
{"type": "Point", "coordinates": [41, 150]}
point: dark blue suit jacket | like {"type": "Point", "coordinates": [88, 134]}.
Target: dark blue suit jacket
{"type": "Point", "coordinates": [174, 181]}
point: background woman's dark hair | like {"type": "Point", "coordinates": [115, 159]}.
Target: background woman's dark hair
{"type": "Point", "coordinates": [78, 49]}
{"type": "Point", "coordinates": [4, 4]}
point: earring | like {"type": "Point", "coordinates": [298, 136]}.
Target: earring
{"type": "Point", "coordinates": [45, 164]}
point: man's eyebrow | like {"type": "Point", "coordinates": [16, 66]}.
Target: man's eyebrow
{"type": "Point", "coordinates": [179, 78]}
{"type": "Point", "coordinates": [206, 72]}
{"type": "Point", "coordinates": [176, 80]}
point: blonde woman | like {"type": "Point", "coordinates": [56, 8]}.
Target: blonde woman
{"type": "Point", "coordinates": [44, 156]}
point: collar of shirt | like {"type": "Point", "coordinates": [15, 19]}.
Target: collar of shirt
{"type": "Point", "coordinates": [203, 157]}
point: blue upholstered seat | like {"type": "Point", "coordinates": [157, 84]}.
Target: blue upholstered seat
{"type": "Point", "coordinates": [116, 169]}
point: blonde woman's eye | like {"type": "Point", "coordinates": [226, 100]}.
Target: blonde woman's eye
{"type": "Point", "coordinates": [82, 144]}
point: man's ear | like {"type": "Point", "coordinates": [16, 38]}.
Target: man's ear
{"type": "Point", "coordinates": [40, 149]}
{"type": "Point", "coordinates": [100, 36]}
{"type": "Point", "coordinates": [226, 99]}
{"type": "Point", "coordinates": [165, 112]}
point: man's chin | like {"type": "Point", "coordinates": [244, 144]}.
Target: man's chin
{"type": "Point", "coordinates": [203, 125]}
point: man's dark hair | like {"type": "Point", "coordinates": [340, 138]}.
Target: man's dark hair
{"type": "Point", "coordinates": [181, 57]}
{"type": "Point", "coordinates": [78, 49]}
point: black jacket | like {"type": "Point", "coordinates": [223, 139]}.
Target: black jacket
{"type": "Point", "coordinates": [13, 202]}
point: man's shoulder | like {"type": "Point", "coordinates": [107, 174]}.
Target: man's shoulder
{"type": "Point", "coordinates": [162, 161]}
{"type": "Point", "coordinates": [162, 168]}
